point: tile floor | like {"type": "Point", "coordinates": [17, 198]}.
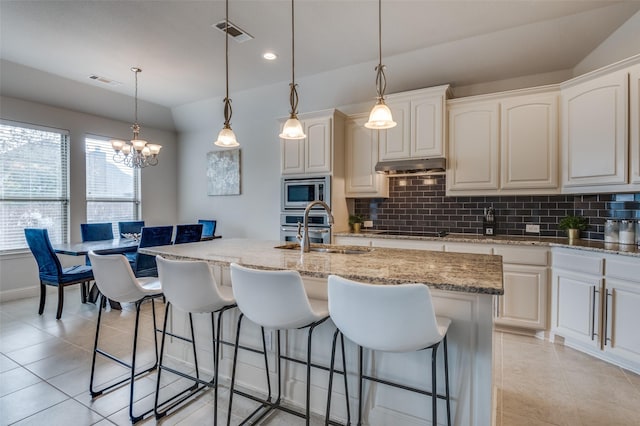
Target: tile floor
{"type": "Point", "coordinates": [45, 365]}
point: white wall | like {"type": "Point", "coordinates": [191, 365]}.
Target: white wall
{"type": "Point", "coordinates": [18, 271]}
{"type": "Point", "coordinates": [623, 43]}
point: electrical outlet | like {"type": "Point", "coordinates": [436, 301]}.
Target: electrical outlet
{"type": "Point", "coordinates": [533, 228]}
{"type": "Point", "coordinates": [368, 224]}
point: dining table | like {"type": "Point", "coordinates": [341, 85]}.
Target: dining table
{"type": "Point", "coordinates": [114, 246]}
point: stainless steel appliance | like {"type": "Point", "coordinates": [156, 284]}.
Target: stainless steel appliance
{"type": "Point", "coordinates": [298, 192]}
{"type": "Point", "coordinates": [319, 227]}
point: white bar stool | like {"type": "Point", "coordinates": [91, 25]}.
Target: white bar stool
{"type": "Point", "coordinates": [274, 300]}
{"type": "Point", "coordinates": [116, 281]}
{"type": "Point", "coordinates": [394, 318]}
{"type": "Point", "coordinates": [191, 287]}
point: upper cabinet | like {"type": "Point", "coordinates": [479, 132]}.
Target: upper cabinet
{"type": "Point", "coordinates": [361, 146]}
{"type": "Point", "coordinates": [504, 144]}
{"type": "Point", "coordinates": [595, 133]}
{"type": "Point", "coordinates": [634, 123]}
{"type": "Point", "coordinates": [316, 153]}
{"type": "Point", "coordinates": [420, 132]}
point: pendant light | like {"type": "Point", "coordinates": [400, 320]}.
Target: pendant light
{"type": "Point", "coordinates": [226, 137]}
{"type": "Point", "coordinates": [136, 153]}
{"type": "Point", "coordinates": [380, 117]}
{"type": "Point", "coordinates": [293, 127]}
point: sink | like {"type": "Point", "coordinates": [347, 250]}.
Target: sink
{"type": "Point", "coordinates": [319, 248]}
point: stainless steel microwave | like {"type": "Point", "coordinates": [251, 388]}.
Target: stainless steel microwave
{"type": "Point", "coordinates": [298, 192]}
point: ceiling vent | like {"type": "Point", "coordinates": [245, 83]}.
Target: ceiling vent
{"type": "Point", "coordinates": [235, 32]}
{"type": "Point", "coordinates": [105, 80]}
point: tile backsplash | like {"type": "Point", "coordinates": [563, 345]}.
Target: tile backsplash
{"type": "Point", "coordinates": [414, 205]}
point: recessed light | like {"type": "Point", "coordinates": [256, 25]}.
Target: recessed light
{"type": "Point", "coordinates": [269, 56]}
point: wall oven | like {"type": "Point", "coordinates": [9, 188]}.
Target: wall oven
{"type": "Point", "coordinates": [297, 193]}
{"type": "Point", "coordinates": [319, 228]}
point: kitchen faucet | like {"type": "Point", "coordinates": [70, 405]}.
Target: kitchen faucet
{"type": "Point", "coordinates": [304, 239]}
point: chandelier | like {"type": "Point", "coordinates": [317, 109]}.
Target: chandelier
{"type": "Point", "coordinates": [226, 137]}
{"type": "Point", "coordinates": [380, 117]}
{"type": "Point", "coordinates": [293, 127]}
{"type": "Point", "coordinates": [136, 153]}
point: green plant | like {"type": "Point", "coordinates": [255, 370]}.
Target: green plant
{"type": "Point", "coordinates": [572, 222]}
{"type": "Point", "coordinates": [355, 218]}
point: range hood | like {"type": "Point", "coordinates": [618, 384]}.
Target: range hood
{"type": "Point", "coordinates": [412, 167]}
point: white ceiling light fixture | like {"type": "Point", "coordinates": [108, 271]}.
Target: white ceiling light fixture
{"type": "Point", "coordinates": [293, 127]}
{"type": "Point", "coordinates": [270, 56]}
{"type": "Point", "coordinates": [226, 137]}
{"type": "Point", "coordinates": [380, 117]}
{"type": "Point", "coordinates": [136, 153]}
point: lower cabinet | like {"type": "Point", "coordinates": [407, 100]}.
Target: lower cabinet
{"type": "Point", "coordinates": [596, 304]}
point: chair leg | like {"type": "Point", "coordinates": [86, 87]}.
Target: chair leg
{"type": "Point", "coordinates": [331, 369]}
{"type": "Point", "coordinates": [133, 418]}
{"type": "Point", "coordinates": [360, 383]}
{"type": "Point", "coordinates": [446, 380]}
{"type": "Point", "coordinates": [346, 384]}
{"type": "Point", "coordinates": [60, 301]}
{"type": "Point", "coordinates": [434, 389]}
{"type": "Point", "coordinates": [43, 296]}
{"type": "Point", "coordinates": [101, 302]}
{"type": "Point", "coordinates": [233, 369]}
{"type": "Point", "coordinates": [83, 293]}
{"type": "Point", "coordinates": [162, 341]}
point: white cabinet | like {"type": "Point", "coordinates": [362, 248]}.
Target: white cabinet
{"type": "Point", "coordinates": [529, 142]}
{"type": "Point", "coordinates": [504, 144]}
{"type": "Point", "coordinates": [595, 132]}
{"type": "Point", "coordinates": [361, 156]}
{"type": "Point", "coordinates": [595, 304]}
{"type": "Point", "coordinates": [473, 147]}
{"type": "Point", "coordinates": [634, 123]}
{"type": "Point", "coordinates": [524, 303]}
{"type": "Point", "coordinates": [315, 153]}
{"type": "Point", "coordinates": [420, 132]}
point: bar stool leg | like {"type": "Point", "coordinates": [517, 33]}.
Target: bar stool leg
{"type": "Point", "coordinates": [164, 336]}
{"type": "Point", "coordinates": [233, 369]}
{"type": "Point", "coordinates": [101, 304]}
{"type": "Point", "coordinates": [360, 383]}
{"type": "Point", "coordinates": [446, 379]}
{"type": "Point", "coordinates": [434, 389]}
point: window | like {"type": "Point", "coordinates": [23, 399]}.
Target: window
{"type": "Point", "coordinates": [34, 188]}
{"type": "Point", "coordinates": [113, 192]}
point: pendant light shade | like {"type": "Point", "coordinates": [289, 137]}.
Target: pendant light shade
{"type": "Point", "coordinates": [380, 117]}
{"type": "Point", "coordinates": [226, 137]}
{"type": "Point", "coordinates": [293, 127]}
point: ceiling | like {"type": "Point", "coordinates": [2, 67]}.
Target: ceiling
{"type": "Point", "coordinates": [182, 56]}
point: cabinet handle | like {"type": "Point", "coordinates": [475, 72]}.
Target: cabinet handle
{"type": "Point", "coordinates": [606, 316]}
{"type": "Point", "coordinates": [593, 312]}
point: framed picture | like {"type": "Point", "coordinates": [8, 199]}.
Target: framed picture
{"type": "Point", "coordinates": [223, 172]}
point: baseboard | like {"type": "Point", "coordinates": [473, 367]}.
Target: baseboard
{"type": "Point", "coordinates": [19, 293]}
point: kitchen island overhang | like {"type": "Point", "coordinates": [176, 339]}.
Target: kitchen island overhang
{"type": "Point", "coordinates": [463, 286]}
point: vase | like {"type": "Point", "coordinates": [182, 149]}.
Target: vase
{"type": "Point", "coordinates": [356, 228]}
{"type": "Point", "coordinates": [573, 234]}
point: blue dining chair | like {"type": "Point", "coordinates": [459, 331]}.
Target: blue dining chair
{"type": "Point", "coordinates": [51, 271]}
{"type": "Point", "coordinates": [96, 231]}
{"type": "Point", "coordinates": [208, 228]}
{"type": "Point", "coordinates": [134, 227]}
{"type": "Point", "coordinates": [145, 265]}
{"type": "Point", "coordinates": [188, 233]}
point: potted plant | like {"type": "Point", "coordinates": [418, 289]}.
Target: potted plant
{"type": "Point", "coordinates": [355, 222]}
{"type": "Point", "coordinates": [573, 225]}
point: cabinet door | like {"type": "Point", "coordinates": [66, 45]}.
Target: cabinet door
{"type": "Point", "coordinates": [361, 179]}
{"type": "Point", "coordinates": [395, 142]}
{"type": "Point", "coordinates": [317, 144]}
{"type": "Point", "coordinates": [529, 142]}
{"type": "Point", "coordinates": [524, 302]}
{"type": "Point", "coordinates": [576, 306]}
{"type": "Point", "coordinates": [634, 122]}
{"type": "Point", "coordinates": [292, 156]}
{"type": "Point", "coordinates": [594, 131]}
{"type": "Point", "coordinates": [473, 147]}
{"type": "Point", "coordinates": [622, 316]}
{"type": "Point", "coordinates": [427, 133]}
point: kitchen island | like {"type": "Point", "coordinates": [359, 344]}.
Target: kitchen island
{"type": "Point", "coordinates": [462, 288]}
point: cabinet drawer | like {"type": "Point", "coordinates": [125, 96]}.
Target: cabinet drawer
{"type": "Point", "coordinates": [579, 263]}
{"type": "Point", "coordinates": [523, 255]}
{"type": "Point", "coordinates": [624, 269]}
{"type": "Point", "coordinates": [408, 244]}
{"type": "Point", "coordinates": [479, 248]}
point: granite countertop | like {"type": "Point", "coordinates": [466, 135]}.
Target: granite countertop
{"type": "Point", "coordinates": [470, 273]}
{"type": "Point", "coordinates": [590, 245]}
